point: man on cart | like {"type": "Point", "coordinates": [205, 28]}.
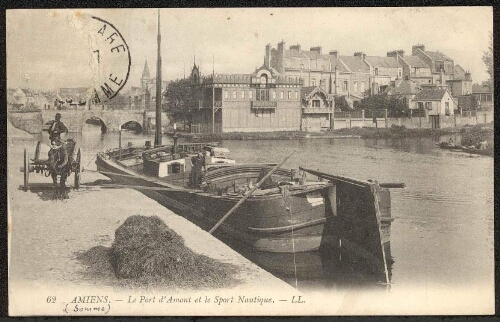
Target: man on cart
{"type": "Point", "coordinates": [56, 129]}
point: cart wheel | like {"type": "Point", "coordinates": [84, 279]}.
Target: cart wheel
{"type": "Point", "coordinates": [37, 150]}
{"type": "Point", "coordinates": [78, 168]}
{"type": "Point", "coordinates": [26, 170]}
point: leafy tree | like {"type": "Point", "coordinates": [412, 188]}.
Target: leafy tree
{"type": "Point", "coordinates": [395, 105]}
{"type": "Point", "coordinates": [488, 61]}
{"type": "Point", "coordinates": [178, 95]}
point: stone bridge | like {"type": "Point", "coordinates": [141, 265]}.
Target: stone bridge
{"type": "Point", "coordinates": [109, 120]}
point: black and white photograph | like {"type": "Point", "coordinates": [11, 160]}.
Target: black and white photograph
{"type": "Point", "coordinates": [250, 161]}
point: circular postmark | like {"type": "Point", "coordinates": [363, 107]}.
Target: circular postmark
{"type": "Point", "coordinates": [110, 60]}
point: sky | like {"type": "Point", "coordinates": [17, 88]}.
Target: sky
{"type": "Point", "coordinates": [47, 49]}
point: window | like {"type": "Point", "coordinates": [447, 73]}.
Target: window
{"type": "Point", "coordinates": [416, 71]}
{"type": "Point", "coordinates": [289, 95]}
{"type": "Point", "coordinates": [362, 90]}
{"type": "Point", "coordinates": [428, 105]}
{"type": "Point", "coordinates": [400, 72]}
{"type": "Point", "coordinates": [242, 94]}
{"type": "Point", "coordinates": [376, 71]}
{"type": "Point", "coordinates": [281, 95]}
{"type": "Point", "coordinates": [447, 108]}
{"type": "Point", "coordinates": [355, 87]}
{"type": "Point", "coordinates": [274, 95]}
{"type": "Point", "coordinates": [439, 65]}
{"type": "Point", "coordinates": [226, 94]}
{"type": "Point", "coordinates": [296, 95]}
{"type": "Point", "coordinates": [345, 86]}
{"type": "Point", "coordinates": [313, 82]}
{"type": "Point", "coordinates": [315, 103]}
{"type": "Point", "coordinates": [235, 95]}
{"type": "Point", "coordinates": [420, 105]}
{"type": "Point", "coordinates": [250, 94]}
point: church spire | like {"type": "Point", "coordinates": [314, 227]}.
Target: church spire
{"type": "Point", "coordinates": [145, 71]}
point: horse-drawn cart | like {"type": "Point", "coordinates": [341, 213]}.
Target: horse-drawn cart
{"type": "Point", "coordinates": [60, 164]}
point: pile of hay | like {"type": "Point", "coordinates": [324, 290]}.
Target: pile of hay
{"type": "Point", "coordinates": [145, 248]}
{"type": "Point", "coordinates": [97, 260]}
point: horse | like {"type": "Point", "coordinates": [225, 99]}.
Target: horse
{"type": "Point", "coordinates": [59, 165]}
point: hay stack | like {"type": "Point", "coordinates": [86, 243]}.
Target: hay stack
{"type": "Point", "coordinates": [145, 248]}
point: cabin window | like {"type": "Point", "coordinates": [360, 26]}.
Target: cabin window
{"type": "Point", "coordinates": [226, 94]}
{"type": "Point", "coordinates": [242, 94]}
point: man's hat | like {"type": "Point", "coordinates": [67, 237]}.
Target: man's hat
{"type": "Point", "coordinates": [58, 115]}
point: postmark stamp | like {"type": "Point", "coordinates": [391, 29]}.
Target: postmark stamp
{"type": "Point", "coordinates": [111, 60]}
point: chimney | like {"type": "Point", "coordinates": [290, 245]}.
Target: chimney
{"type": "Point", "coordinates": [281, 57]}
{"type": "Point", "coordinates": [396, 54]}
{"type": "Point", "coordinates": [361, 55]}
{"type": "Point", "coordinates": [295, 47]}
{"type": "Point", "coordinates": [267, 59]}
{"type": "Point", "coordinates": [316, 49]}
{"type": "Point", "coordinates": [334, 53]}
{"type": "Point", "coordinates": [468, 76]}
{"type": "Point", "coordinates": [416, 47]}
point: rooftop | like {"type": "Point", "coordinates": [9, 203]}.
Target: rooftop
{"type": "Point", "coordinates": [355, 64]}
{"type": "Point", "coordinates": [380, 61]}
{"type": "Point", "coordinates": [430, 94]}
{"type": "Point", "coordinates": [415, 61]}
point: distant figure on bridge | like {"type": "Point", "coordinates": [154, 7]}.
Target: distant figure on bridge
{"type": "Point", "coordinates": [57, 128]}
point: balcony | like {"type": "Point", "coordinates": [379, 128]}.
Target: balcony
{"type": "Point", "coordinates": [201, 104]}
{"type": "Point", "coordinates": [265, 104]}
{"type": "Point", "coordinates": [317, 110]}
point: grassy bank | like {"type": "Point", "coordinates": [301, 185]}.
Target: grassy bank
{"type": "Point", "coordinates": [393, 132]}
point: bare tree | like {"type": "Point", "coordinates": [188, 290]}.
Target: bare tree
{"type": "Point", "coordinates": [488, 61]}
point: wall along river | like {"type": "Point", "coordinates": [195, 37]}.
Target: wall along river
{"type": "Point", "coordinates": [443, 235]}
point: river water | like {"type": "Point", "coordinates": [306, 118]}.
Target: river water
{"type": "Point", "coordinates": [443, 234]}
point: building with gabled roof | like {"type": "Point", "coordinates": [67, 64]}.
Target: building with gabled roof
{"type": "Point", "coordinates": [315, 68]}
{"type": "Point", "coordinates": [461, 83]}
{"type": "Point", "coordinates": [317, 108]}
{"type": "Point", "coordinates": [384, 70]}
{"type": "Point", "coordinates": [442, 66]}
{"type": "Point", "coordinates": [435, 101]}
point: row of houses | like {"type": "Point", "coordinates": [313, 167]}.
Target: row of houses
{"type": "Point", "coordinates": [298, 89]}
{"type": "Point", "coordinates": [63, 98]}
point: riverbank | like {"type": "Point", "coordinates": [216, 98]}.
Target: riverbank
{"type": "Point", "coordinates": [47, 238]}
{"type": "Point", "coordinates": [394, 132]}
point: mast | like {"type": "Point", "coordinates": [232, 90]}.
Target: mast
{"type": "Point", "coordinates": [158, 130]}
{"type": "Point", "coordinates": [213, 94]}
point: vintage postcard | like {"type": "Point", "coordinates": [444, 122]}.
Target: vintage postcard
{"type": "Point", "coordinates": [251, 161]}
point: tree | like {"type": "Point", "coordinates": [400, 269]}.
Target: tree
{"type": "Point", "coordinates": [178, 96]}
{"type": "Point", "coordinates": [396, 107]}
{"type": "Point", "coordinates": [488, 61]}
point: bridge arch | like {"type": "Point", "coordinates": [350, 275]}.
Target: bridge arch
{"type": "Point", "coordinates": [97, 121]}
{"type": "Point", "coordinates": [132, 126]}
